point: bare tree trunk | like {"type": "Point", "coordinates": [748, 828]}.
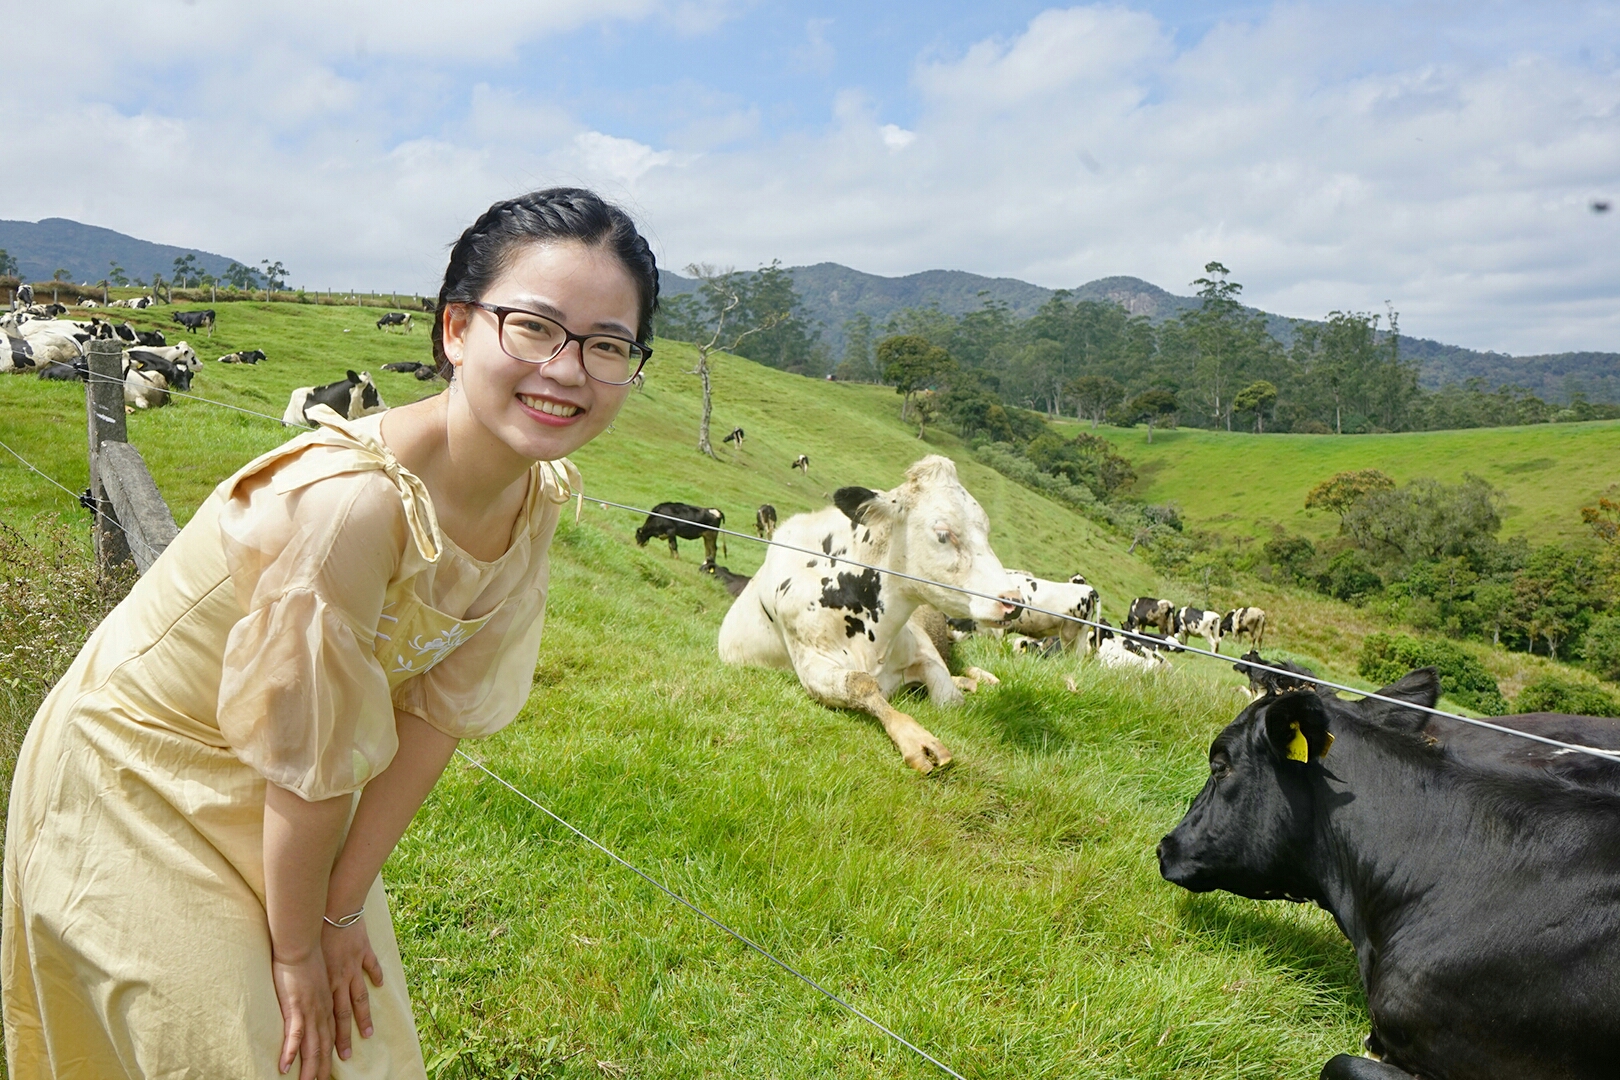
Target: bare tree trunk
{"type": "Point", "coordinates": [1150, 430]}
{"type": "Point", "coordinates": [708, 404]}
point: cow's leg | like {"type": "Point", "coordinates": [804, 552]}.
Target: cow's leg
{"type": "Point", "coordinates": [674, 552]}
{"type": "Point", "coordinates": [1260, 634]}
{"type": "Point", "coordinates": [708, 544]}
{"type": "Point", "coordinates": [1345, 1067]}
{"type": "Point", "coordinates": [842, 688]}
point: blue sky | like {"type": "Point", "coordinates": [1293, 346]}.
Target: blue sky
{"type": "Point", "coordinates": [1439, 156]}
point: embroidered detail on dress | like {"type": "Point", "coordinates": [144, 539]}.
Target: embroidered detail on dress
{"type": "Point", "coordinates": [433, 650]}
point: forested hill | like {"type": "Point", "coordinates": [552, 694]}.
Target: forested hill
{"type": "Point", "coordinates": [831, 294]}
{"type": "Point", "coordinates": [87, 252]}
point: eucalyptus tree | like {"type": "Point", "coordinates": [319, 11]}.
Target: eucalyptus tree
{"type": "Point", "coordinates": [719, 322]}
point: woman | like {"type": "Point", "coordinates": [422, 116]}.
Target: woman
{"type": "Point", "coordinates": [191, 884]}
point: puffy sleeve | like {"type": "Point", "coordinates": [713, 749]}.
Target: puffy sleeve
{"type": "Point", "coordinates": [480, 688]}
{"type": "Point", "coordinates": [302, 699]}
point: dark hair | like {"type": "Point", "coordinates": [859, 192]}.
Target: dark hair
{"type": "Point", "coordinates": [489, 244]}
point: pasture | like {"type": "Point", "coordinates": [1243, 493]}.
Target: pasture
{"type": "Point", "coordinates": [1008, 916]}
{"type": "Point", "coordinates": [1240, 483]}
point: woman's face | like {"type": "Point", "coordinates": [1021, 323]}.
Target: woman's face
{"type": "Point", "coordinates": [545, 411]}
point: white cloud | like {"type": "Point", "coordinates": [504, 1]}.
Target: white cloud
{"type": "Point", "coordinates": [896, 137]}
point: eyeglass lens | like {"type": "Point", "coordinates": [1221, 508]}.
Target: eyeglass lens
{"type": "Point", "coordinates": [537, 339]}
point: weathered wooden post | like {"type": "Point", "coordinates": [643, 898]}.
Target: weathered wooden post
{"type": "Point", "coordinates": [104, 403]}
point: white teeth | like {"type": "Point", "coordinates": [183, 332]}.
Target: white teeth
{"type": "Point", "coordinates": [551, 408]}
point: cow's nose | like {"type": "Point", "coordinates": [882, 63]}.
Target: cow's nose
{"type": "Point", "coordinates": [1011, 601]}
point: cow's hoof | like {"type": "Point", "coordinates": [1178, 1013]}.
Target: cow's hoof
{"type": "Point", "coordinates": [966, 683]}
{"type": "Point", "coordinates": [929, 756]}
{"type": "Point", "coordinates": [982, 675]}
{"type": "Point", "coordinates": [1074, 687]}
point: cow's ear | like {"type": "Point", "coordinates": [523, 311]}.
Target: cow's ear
{"type": "Point", "coordinates": [854, 501]}
{"type": "Point", "coordinates": [1297, 727]}
{"type": "Point", "coordinates": [1420, 687]}
{"type": "Point", "coordinates": [353, 377]}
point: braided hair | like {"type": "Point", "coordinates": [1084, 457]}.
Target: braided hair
{"type": "Point", "coordinates": [489, 244]}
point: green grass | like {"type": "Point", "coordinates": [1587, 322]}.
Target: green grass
{"type": "Point", "coordinates": [1008, 916]}
{"type": "Point", "coordinates": [1239, 483]}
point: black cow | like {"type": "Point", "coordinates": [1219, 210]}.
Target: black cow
{"type": "Point", "coordinates": [395, 318]}
{"type": "Point", "coordinates": [423, 372]}
{"type": "Point", "coordinates": [246, 356]}
{"type": "Point", "coordinates": [195, 320]}
{"type": "Point", "coordinates": [672, 520]}
{"type": "Point", "coordinates": [1477, 874]}
{"type": "Point", "coordinates": [735, 437]}
{"type": "Point", "coordinates": [79, 369]}
{"type": "Point", "coordinates": [765, 521]}
{"type": "Point", "coordinates": [734, 583]}
{"type": "Point", "coordinates": [1146, 611]}
{"type": "Point", "coordinates": [152, 338]}
{"type": "Point", "coordinates": [351, 397]}
{"type": "Point", "coordinates": [1276, 682]}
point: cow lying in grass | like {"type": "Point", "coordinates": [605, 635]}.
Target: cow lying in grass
{"type": "Point", "coordinates": [844, 631]}
{"type": "Point", "coordinates": [1477, 874]}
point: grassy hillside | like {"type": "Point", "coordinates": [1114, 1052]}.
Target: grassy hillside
{"type": "Point", "coordinates": [1243, 483]}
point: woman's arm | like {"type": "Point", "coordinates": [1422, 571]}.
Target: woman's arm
{"type": "Point", "coordinates": [300, 839]}
{"type": "Point", "coordinates": [387, 805]}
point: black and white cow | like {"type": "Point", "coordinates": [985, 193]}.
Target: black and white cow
{"type": "Point", "coordinates": [765, 521]}
{"type": "Point", "coordinates": [182, 355]}
{"type": "Point", "coordinates": [736, 438]}
{"type": "Point", "coordinates": [1053, 608]}
{"type": "Point", "coordinates": [683, 521]}
{"type": "Point", "coordinates": [1249, 622]}
{"type": "Point", "coordinates": [1147, 612]}
{"type": "Point", "coordinates": [802, 463]}
{"type": "Point", "coordinates": [17, 355]}
{"type": "Point", "coordinates": [423, 372]}
{"type": "Point", "coordinates": [1476, 874]}
{"type": "Point", "coordinates": [352, 396]}
{"type": "Point", "coordinates": [245, 356]}
{"type": "Point", "coordinates": [78, 370]}
{"type": "Point", "coordinates": [148, 378]}
{"type": "Point", "coordinates": [24, 297]}
{"type": "Point", "coordinates": [1206, 624]}
{"type": "Point", "coordinates": [734, 583]}
{"type": "Point", "coordinates": [396, 318]}
{"type": "Point", "coordinates": [846, 632]}
{"type": "Point", "coordinates": [195, 320]}
{"type": "Point", "coordinates": [1291, 677]}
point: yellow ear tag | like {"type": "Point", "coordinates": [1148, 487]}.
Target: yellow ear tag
{"type": "Point", "coordinates": [1298, 748]}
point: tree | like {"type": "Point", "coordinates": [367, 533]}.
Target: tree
{"type": "Point", "coordinates": [910, 363]}
{"type": "Point", "coordinates": [1425, 519]}
{"type": "Point", "coordinates": [275, 276]}
{"type": "Point", "coordinates": [1093, 396]}
{"type": "Point", "coordinates": [719, 301]}
{"type": "Point", "coordinates": [1217, 335]}
{"type": "Point", "coordinates": [185, 268]}
{"type": "Point", "coordinates": [857, 364]}
{"type": "Point", "coordinates": [8, 265]}
{"type": "Point", "coordinates": [242, 277]}
{"type": "Point", "coordinates": [116, 274]}
{"type": "Point", "coordinates": [1152, 405]}
{"type": "Point", "coordinates": [1339, 492]}
{"type": "Point", "coordinates": [924, 408]}
{"type": "Point", "coordinates": [59, 274]}
{"type": "Point", "coordinates": [1258, 397]}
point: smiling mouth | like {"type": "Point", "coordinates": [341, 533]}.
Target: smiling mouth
{"type": "Point", "coordinates": [549, 407]}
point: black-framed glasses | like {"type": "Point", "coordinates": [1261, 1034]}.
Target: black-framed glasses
{"type": "Point", "coordinates": [537, 339]}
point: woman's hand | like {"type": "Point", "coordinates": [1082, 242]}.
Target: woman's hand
{"type": "Point", "coordinates": [349, 962]}
{"type": "Point", "coordinates": [306, 1015]}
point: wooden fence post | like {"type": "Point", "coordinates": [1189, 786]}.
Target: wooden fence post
{"type": "Point", "coordinates": [104, 405]}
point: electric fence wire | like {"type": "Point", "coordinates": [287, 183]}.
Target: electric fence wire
{"type": "Point", "coordinates": [78, 498]}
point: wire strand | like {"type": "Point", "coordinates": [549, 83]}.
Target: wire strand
{"type": "Point", "coordinates": [77, 497]}
{"type": "Point", "coordinates": [684, 902]}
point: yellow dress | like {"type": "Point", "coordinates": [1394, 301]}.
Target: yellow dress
{"type": "Point", "coordinates": [311, 596]}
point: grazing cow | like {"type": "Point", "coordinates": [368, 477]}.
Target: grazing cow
{"type": "Point", "coordinates": [350, 397]}
{"type": "Point", "coordinates": [845, 632]}
{"type": "Point", "coordinates": [734, 583]}
{"type": "Point", "coordinates": [396, 318]}
{"type": "Point", "coordinates": [676, 520]}
{"type": "Point", "coordinates": [246, 356]}
{"type": "Point", "coordinates": [1263, 682]}
{"type": "Point", "coordinates": [1206, 624]}
{"type": "Point", "coordinates": [735, 437]}
{"type": "Point", "coordinates": [1476, 874]}
{"type": "Point", "coordinates": [802, 463]}
{"type": "Point", "coordinates": [148, 378]}
{"type": "Point", "coordinates": [1054, 600]}
{"type": "Point", "coordinates": [195, 320]}
{"type": "Point", "coordinates": [1146, 611]}
{"type": "Point", "coordinates": [79, 370]}
{"type": "Point", "coordinates": [1249, 622]}
{"type": "Point", "coordinates": [765, 521]}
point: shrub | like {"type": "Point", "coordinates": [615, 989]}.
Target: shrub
{"type": "Point", "coordinates": [1601, 647]}
{"type": "Point", "coordinates": [1290, 556]}
{"type": "Point", "coordinates": [1386, 657]}
{"type": "Point", "coordinates": [1348, 577]}
{"type": "Point", "coordinates": [1557, 695]}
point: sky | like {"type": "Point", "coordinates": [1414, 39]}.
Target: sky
{"type": "Point", "coordinates": [1442, 158]}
